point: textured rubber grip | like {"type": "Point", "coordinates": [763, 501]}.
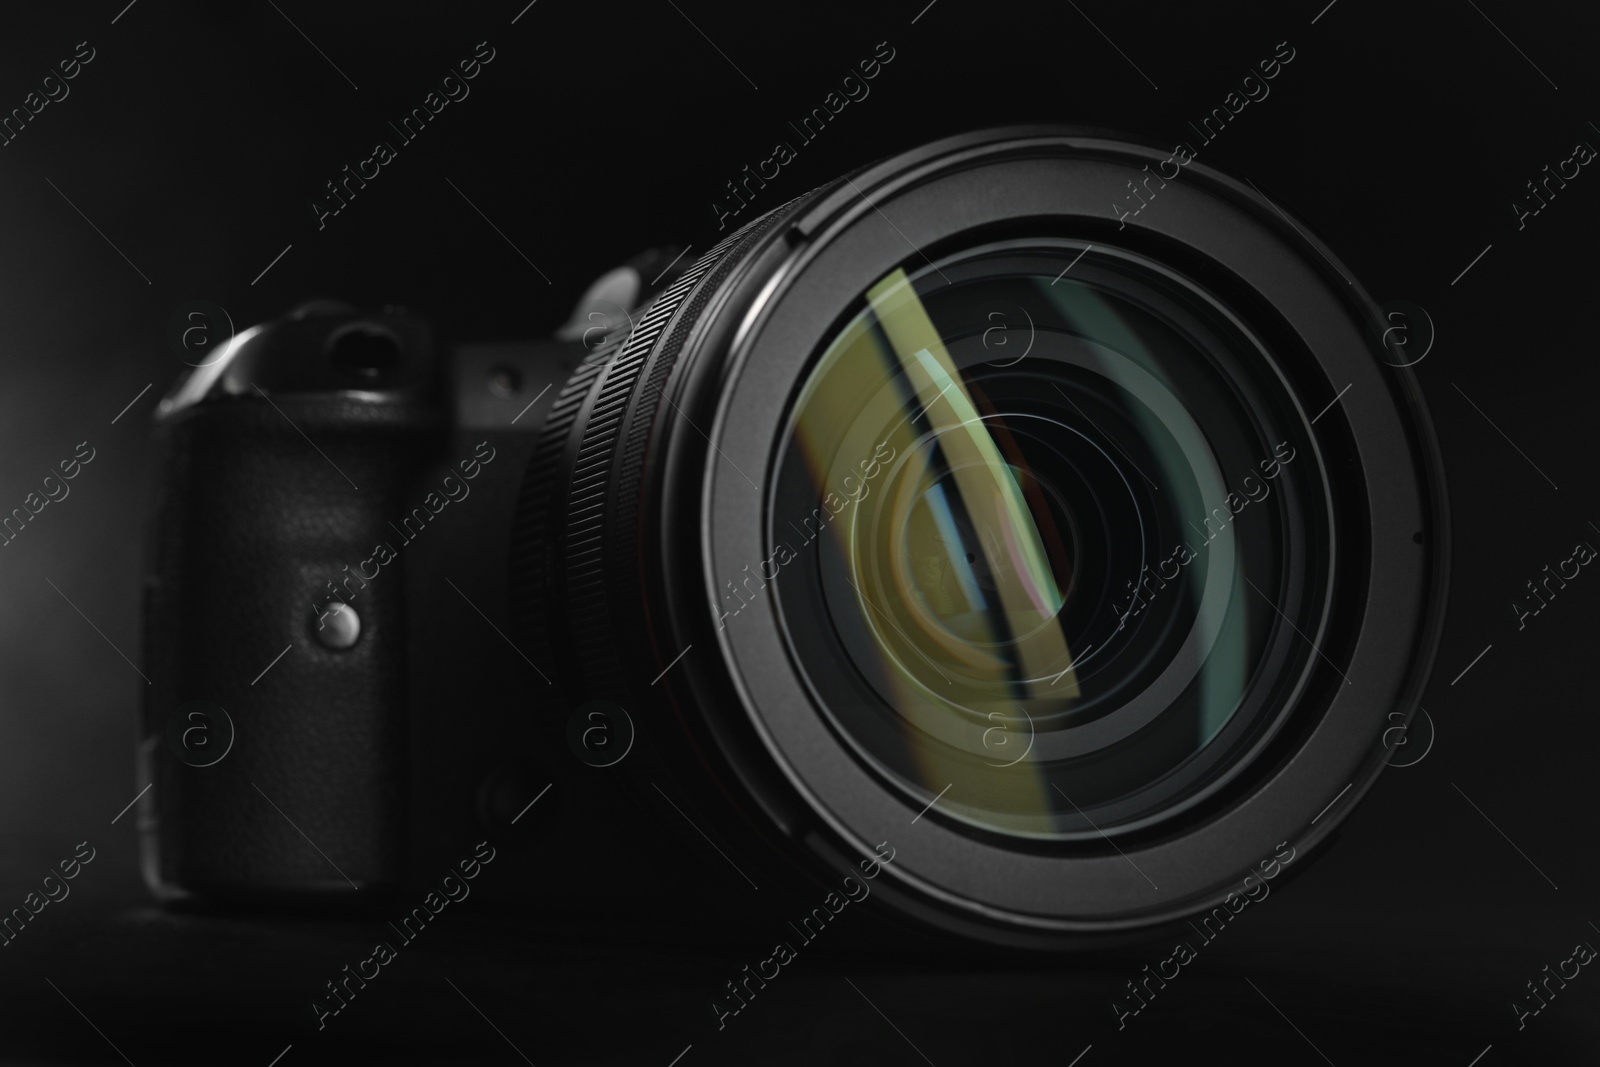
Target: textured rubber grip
{"type": "Point", "coordinates": [575, 577]}
{"type": "Point", "coordinates": [261, 507]}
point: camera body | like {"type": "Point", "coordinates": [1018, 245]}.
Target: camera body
{"type": "Point", "coordinates": [840, 588]}
{"type": "Point", "coordinates": [336, 699]}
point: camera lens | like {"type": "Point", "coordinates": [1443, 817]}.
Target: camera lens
{"type": "Point", "coordinates": [945, 513]}
{"type": "Point", "coordinates": [1034, 529]}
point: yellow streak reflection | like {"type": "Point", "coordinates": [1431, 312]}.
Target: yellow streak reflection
{"type": "Point", "coordinates": [1008, 537]}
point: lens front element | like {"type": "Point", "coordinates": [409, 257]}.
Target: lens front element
{"type": "Point", "coordinates": [1041, 530]}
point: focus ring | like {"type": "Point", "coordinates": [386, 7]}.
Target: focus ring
{"type": "Point", "coordinates": [533, 548]}
{"type": "Point", "coordinates": [562, 500]}
{"type": "Point", "coordinates": [586, 619]}
{"type": "Point", "coordinates": [600, 585]}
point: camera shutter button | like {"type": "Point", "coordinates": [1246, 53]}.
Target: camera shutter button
{"type": "Point", "coordinates": [337, 626]}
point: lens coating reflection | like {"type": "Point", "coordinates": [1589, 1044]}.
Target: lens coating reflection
{"type": "Point", "coordinates": [1018, 518]}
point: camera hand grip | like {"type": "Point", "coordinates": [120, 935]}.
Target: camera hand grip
{"type": "Point", "coordinates": [266, 510]}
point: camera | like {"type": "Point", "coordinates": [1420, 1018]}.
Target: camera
{"type": "Point", "coordinates": [1058, 566]}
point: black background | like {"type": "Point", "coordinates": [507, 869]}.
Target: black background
{"type": "Point", "coordinates": [196, 140]}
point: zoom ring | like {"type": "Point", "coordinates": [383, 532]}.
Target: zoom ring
{"type": "Point", "coordinates": [598, 544]}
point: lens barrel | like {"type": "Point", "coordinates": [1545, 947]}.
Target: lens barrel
{"type": "Point", "coordinates": [1073, 556]}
